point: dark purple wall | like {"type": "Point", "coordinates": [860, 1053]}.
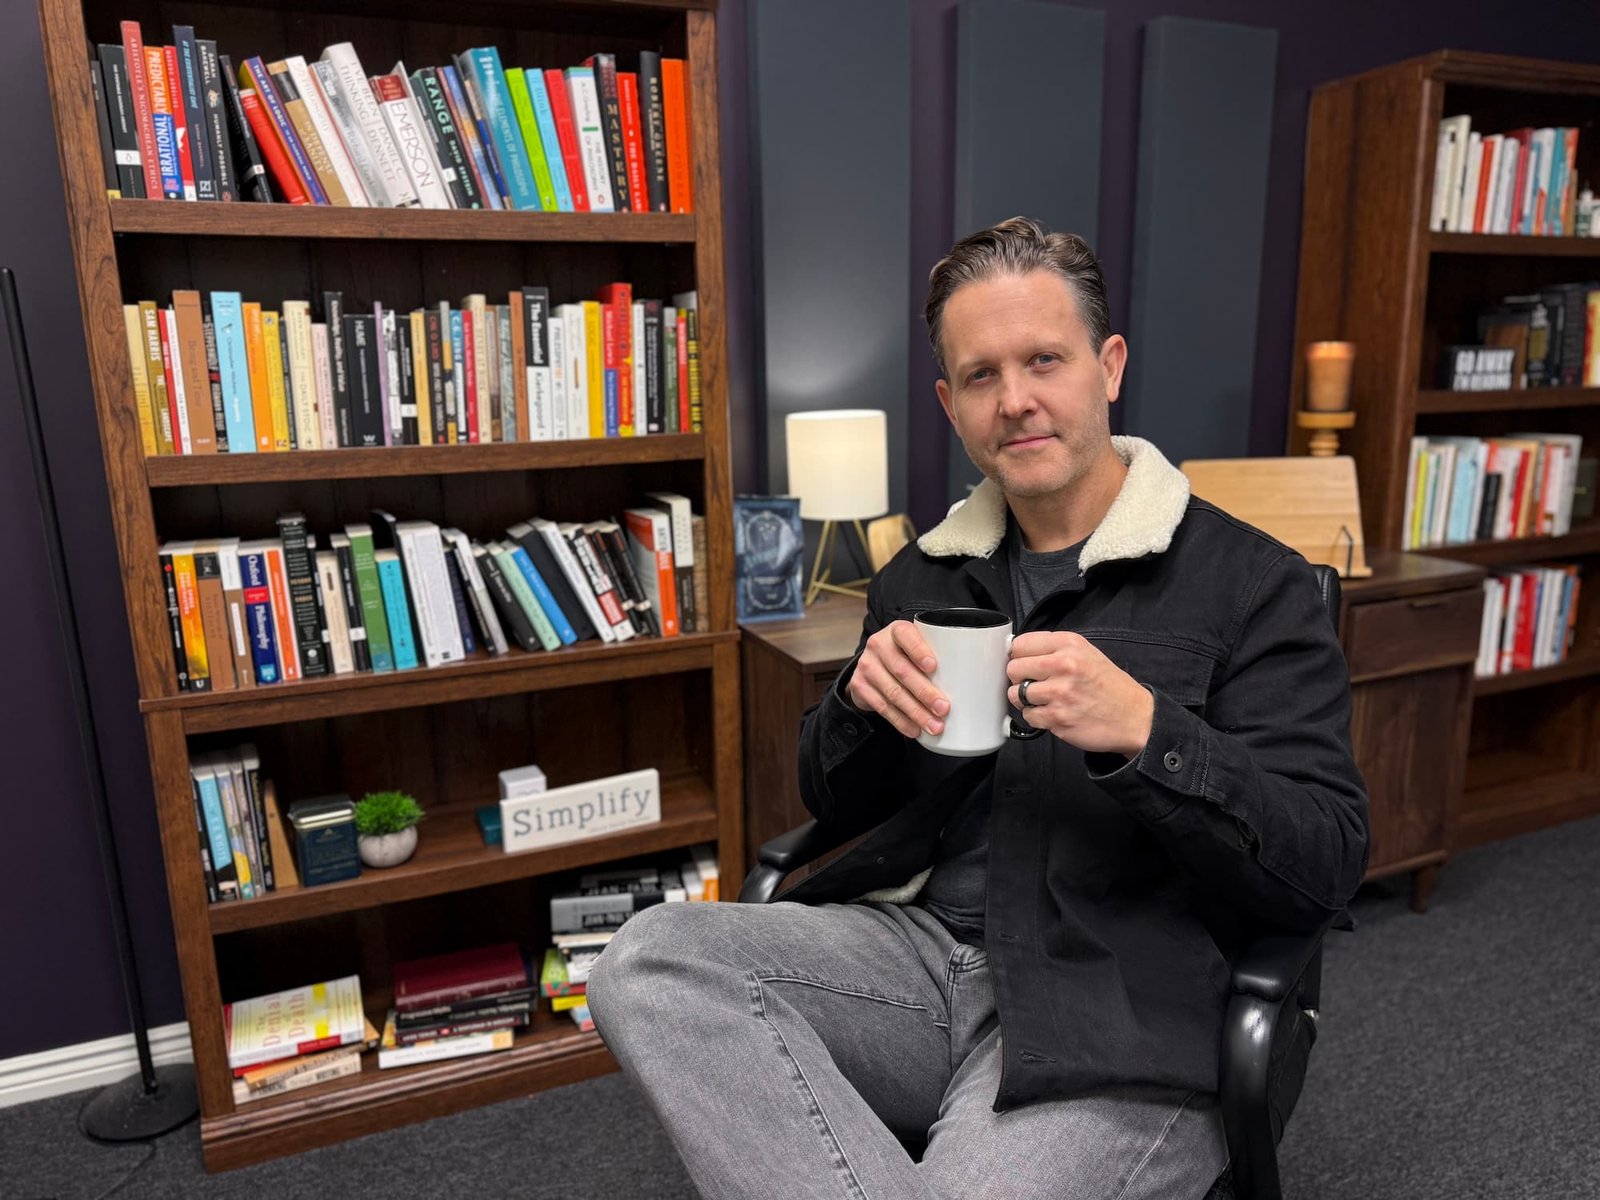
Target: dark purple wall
{"type": "Point", "coordinates": [56, 930]}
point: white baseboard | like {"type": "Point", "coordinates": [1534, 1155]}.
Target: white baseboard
{"type": "Point", "coordinates": [87, 1065]}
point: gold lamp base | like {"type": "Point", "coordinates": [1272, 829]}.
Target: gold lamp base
{"type": "Point", "coordinates": [822, 567]}
{"type": "Point", "coordinates": [1325, 426]}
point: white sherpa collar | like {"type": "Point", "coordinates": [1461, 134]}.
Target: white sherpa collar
{"type": "Point", "coordinates": [1140, 521]}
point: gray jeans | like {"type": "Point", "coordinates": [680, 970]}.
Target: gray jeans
{"type": "Point", "coordinates": [788, 1049]}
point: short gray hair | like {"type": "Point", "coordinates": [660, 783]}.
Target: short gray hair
{"type": "Point", "coordinates": [1016, 247]}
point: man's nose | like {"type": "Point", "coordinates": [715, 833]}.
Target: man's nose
{"type": "Point", "coordinates": [1015, 398]}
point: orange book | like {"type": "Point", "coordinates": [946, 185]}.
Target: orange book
{"type": "Point", "coordinates": [680, 150]}
{"type": "Point", "coordinates": [194, 635]}
{"type": "Point", "coordinates": [283, 613]}
{"type": "Point", "coordinates": [255, 353]}
{"type": "Point", "coordinates": [519, 365]}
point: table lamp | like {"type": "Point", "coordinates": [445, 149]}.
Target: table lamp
{"type": "Point", "coordinates": [839, 467]}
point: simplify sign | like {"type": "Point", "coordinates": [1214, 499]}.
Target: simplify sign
{"type": "Point", "coordinates": [583, 810]}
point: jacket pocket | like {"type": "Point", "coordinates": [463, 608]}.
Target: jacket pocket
{"type": "Point", "coordinates": [1180, 672]}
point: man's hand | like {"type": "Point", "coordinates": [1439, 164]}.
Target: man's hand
{"type": "Point", "coordinates": [1079, 694]}
{"type": "Point", "coordinates": [891, 679]}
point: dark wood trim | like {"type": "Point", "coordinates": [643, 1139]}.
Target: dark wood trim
{"type": "Point", "coordinates": [1583, 539]}
{"type": "Point", "coordinates": [1574, 668]}
{"type": "Point", "coordinates": [391, 224]}
{"type": "Point", "coordinates": [1516, 400]}
{"type": "Point", "coordinates": [1513, 244]}
{"type": "Point", "coordinates": [393, 461]}
{"type": "Point", "coordinates": [1519, 805]}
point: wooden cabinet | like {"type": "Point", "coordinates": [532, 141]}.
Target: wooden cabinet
{"type": "Point", "coordinates": [1410, 633]}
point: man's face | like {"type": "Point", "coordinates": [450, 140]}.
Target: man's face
{"type": "Point", "coordinates": [1025, 390]}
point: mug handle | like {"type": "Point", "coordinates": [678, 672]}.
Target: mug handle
{"type": "Point", "coordinates": [1010, 727]}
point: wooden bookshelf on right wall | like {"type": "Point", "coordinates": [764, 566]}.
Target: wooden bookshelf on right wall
{"type": "Point", "coordinates": [1416, 250]}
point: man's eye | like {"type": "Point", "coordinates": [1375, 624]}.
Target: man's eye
{"type": "Point", "coordinates": [1045, 359]}
{"type": "Point", "coordinates": [979, 375]}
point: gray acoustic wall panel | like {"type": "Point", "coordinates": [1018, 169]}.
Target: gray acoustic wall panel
{"type": "Point", "coordinates": [831, 88]}
{"type": "Point", "coordinates": [1030, 78]}
{"type": "Point", "coordinates": [1204, 130]}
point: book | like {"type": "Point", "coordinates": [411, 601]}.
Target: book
{"type": "Point", "coordinates": [374, 623]}
{"type": "Point", "coordinates": [391, 583]}
{"type": "Point", "coordinates": [391, 1054]}
{"type": "Point", "coordinates": [294, 1021]}
{"type": "Point", "coordinates": [650, 545]}
{"type": "Point", "coordinates": [458, 975]}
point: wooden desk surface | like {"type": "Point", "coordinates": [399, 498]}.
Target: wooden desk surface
{"type": "Point", "coordinates": [823, 639]}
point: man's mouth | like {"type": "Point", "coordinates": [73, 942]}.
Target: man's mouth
{"type": "Point", "coordinates": [1023, 442]}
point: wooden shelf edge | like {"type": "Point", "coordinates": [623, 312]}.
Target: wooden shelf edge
{"type": "Point", "coordinates": [192, 219]}
{"type": "Point", "coordinates": [1515, 681]}
{"type": "Point", "coordinates": [393, 461]}
{"type": "Point", "coordinates": [1431, 400]}
{"type": "Point", "coordinates": [1503, 810]}
{"type": "Point", "coordinates": [692, 819]}
{"type": "Point", "coordinates": [1583, 539]}
{"type": "Point", "coordinates": [376, 1100]}
{"type": "Point", "coordinates": [481, 675]}
{"type": "Point", "coordinates": [1514, 244]}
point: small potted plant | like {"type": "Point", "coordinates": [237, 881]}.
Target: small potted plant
{"type": "Point", "coordinates": [386, 828]}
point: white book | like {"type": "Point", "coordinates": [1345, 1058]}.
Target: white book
{"type": "Point", "coordinates": [299, 368]}
{"type": "Point", "coordinates": [233, 586]}
{"type": "Point", "coordinates": [327, 130]}
{"type": "Point", "coordinates": [1443, 489]}
{"type": "Point", "coordinates": [358, 94]}
{"type": "Point", "coordinates": [1468, 203]}
{"type": "Point", "coordinates": [1545, 652]}
{"type": "Point", "coordinates": [641, 404]}
{"type": "Point", "coordinates": [1460, 131]}
{"type": "Point", "coordinates": [473, 579]}
{"type": "Point", "coordinates": [360, 153]}
{"type": "Point", "coordinates": [558, 375]}
{"type": "Point", "coordinates": [412, 140]}
{"type": "Point", "coordinates": [577, 369]}
{"type": "Point", "coordinates": [451, 1047]}
{"type": "Point", "coordinates": [333, 607]}
{"type": "Point", "coordinates": [682, 514]}
{"type": "Point", "coordinates": [1506, 191]}
{"type": "Point", "coordinates": [591, 138]}
{"type": "Point", "coordinates": [322, 371]}
{"type": "Point", "coordinates": [1490, 591]}
{"type": "Point", "coordinates": [601, 584]}
{"type": "Point", "coordinates": [576, 579]}
{"type": "Point", "coordinates": [422, 553]}
{"type": "Point", "coordinates": [445, 173]}
{"type": "Point", "coordinates": [184, 443]}
{"type": "Point", "coordinates": [541, 420]}
{"type": "Point", "coordinates": [389, 347]}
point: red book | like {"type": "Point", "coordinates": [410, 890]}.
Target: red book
{"type": "Point", "coordinates": [469, 374]}
{"type": "Point", "coordinates": [1480, 212]}
{"type": "Point", "coordinates": [180, 122]}
{"type": "Point", "coordinates": [460, 975]}
{"type": "Point", "coordinates": [683, 369]}
{"type": "Point", "coordinates": [1527, 612]}
{"type": "Point", "coordinates": [144, 124]}
{"type": "Point", "coordinates": [555, 82]}
{"type": "Point", "coordinates": [619, 298]}
{"type": "Point", "coordinates": [278, 165]}
{"type": "Point", "coordinates": [633, 141]}
{"type": "Point", "coordinates": [680, 150]}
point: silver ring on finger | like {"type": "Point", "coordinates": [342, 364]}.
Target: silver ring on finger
{"type": "Point", "coordinates": [1022, 693]}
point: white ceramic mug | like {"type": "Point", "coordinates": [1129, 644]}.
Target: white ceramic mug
{"type": "Point", "coordinates": [971, 647]}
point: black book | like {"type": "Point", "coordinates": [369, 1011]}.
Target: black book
{"type": "Point", "coordinates": [102, 121]}
{"type": "Point", "coordinates": [408, 382]}
{"type": "Point", "coordinates": [544, 561]}
{"type": "Point", "coordinates": [512, 618]}
{"type": "Point", "coordinates": [354, 613]}
{"type": "Point", "coordinates": [518, 1000]}
{"type": "Point", "coordinates": [338, 366]}
{"type": "Point", "coordinates": [219, 416]}
{"type": "Point", "coordinates": [433, 325]}
{"type": "Point", "coordinates": [187, 90]}
{"type": "Point", "coordinates": [458, 593]}
{"type": "Point", "coordinates": [454, 550]}
{"type": "Point", "coordinates": [246, 154]}
{"type": "Point", "coordinates": [324, 633]}
{"type": "Point", "coordinates": [212, 894]}
{"type": "Point", "coordinates": [653, 120]}
{"type": "Point", "coordinates": [214, 107]}
{"type": "Point", "coordinates": [616, 547]}
{"type": "Point", "coordinates": [361, 351]}
{"type": "Point", "coordinates": [120, 121]}
{"type": "Point", "coordinates": [605, 82]}
{"type": "Point", "coordinates": [655, 408]}
{"type": "Point", "coordinates": [258, 801]}
{"type": "Point", "coordinates": [1486, 510]}
{"type": "Point", "coordinates": [302, 595]}
{"type": "Point", "coordinates": [180, 657]}
{"type": "Point", "coordinates": [453, 161]}
{"type": "Point", "coordinates": [599, 576]}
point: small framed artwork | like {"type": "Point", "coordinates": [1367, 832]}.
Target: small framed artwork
{"type": "Point", "coordinates": [769, 549]}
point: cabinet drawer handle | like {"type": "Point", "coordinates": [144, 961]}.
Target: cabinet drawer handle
{"type": "Point", "coordinates": [1435, 602]}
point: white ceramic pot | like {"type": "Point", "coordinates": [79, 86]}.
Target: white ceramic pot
{"type": "Point", "coordinates": [388, 849]}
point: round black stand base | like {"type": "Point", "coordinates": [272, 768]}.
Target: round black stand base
{"type": "Point", "coordinates": [125, 1112]}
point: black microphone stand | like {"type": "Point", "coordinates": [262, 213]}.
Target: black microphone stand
{"type": "Point", "coordinates": [158, 1099]}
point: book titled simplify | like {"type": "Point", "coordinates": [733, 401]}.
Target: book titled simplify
{"type": "Point", "coordinates": [581, 810]}
{"type": "Point", "coordinates": [299, 1020]}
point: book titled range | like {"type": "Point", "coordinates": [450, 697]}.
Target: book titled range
{"type": "Point", "coordinates": [1520, 181]}
{"type": "Point", "coordinates": [1530, 617]}
{"type": "Point", "coordinates": [215, 373]}
{"type": "Point", "coordinates": [394, 595]}
{"type": "Point", "coordinates": [1470, 489]}
{"type": "Point", "coordinates": [183, 122]}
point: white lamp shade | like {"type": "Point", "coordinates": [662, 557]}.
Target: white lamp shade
{"type": "Point", "coordinates": [839, 463]}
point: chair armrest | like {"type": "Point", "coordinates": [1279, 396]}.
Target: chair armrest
{"type": "Point", "coordinates": [1270, 966]}
{"type": "Point", "coordinates": [781, 855]}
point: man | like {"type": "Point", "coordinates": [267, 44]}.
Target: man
{"type": "Point", "coordinates": [1042, 1001]}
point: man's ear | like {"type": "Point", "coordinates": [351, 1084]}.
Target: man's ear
{"type": "Point", "coordinates": [942, 387]}
{"type": "Point", "coordinates": [1113, 361]}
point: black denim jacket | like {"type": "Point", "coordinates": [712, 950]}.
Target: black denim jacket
{"type": "Point", "coordinates": [1118, 890]}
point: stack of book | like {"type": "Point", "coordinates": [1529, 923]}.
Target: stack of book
{"type": "Point", "coordinates": [180, 122]}
{"type": "Point", "coordinates": [1530, 617]}
{"type": "Point", "coordinates": [1465, 489]}
{"type": "Point", "coordinates": [244, 851]}
{"type": "Point", "coordinates": [1520, 181]}
{"type": "Point", "coordinates": [393, 595]}
{"type": "Point", "coordinates": [1534, 340]}
{"type": "Point", "coordinates": [288, 1040]}
{"type": "Point", "coordinates": [458, 1004]}
{"type": "Point", "coordinates": [216, 373]}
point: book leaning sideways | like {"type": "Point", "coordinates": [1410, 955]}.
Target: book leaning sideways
{"type": "Point", "coordinates": [300, 1020]}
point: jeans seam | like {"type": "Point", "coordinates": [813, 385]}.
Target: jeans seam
{"type": "Point", "coordinates": [1156, 1145]}
{"type": "Point", "coordinates": [819, 1117]}
{"type": "Point", "coordinates": [839, 989]}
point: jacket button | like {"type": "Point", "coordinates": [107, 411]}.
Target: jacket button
{"type": "Point", "coordinates": [850, 728]}
{"type": "Point", "coordinates": [880, 860]}
{"type": "Point", "coordinates": [1173, 761]}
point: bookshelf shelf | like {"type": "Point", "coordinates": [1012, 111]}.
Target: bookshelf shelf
{"type": "Point", "coordinates": [1584, 539]}
{"type": "Point", "coordinates": [246, 220]}
{"type": "Point", "coordinates": [480, 676]}
{"type": "Point", "coordinates": [1574, 668]}
{"type": "Point", "coordinates": [1513, 245]}
{"type": "Point", "coordinates": [580, 712]}
{"type": "Point", "coordinates": [396, 461]}
{"type": "Point", "coordinates": [1515, 400]}
{"type": "Point", "coordinates": [451, 856]}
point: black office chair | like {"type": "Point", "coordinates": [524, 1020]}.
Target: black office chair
{"type": "Point", "coordinates": [1267, 1035]}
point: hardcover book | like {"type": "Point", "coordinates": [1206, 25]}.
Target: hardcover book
{"type": "Point", "coordinates": [300, 1020]}
{"type": "Point", "coordinates": [459, 975]}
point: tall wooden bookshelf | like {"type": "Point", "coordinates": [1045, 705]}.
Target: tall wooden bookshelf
{"type": "Point", "coordinates": [1372, 272]}
{"type": "Point", "coordinates": [580, 712]}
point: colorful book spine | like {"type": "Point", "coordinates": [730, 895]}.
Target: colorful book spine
{"type": "Point", "coordinates": [258, 611]}
{"type": "Point", "coordinates": [370, 590]}
{"type": "Point", "coordinates": [550, 138]}
{"type": "Point", "coordinates": [554, 630]}
{"type": "Point", "coordinates": [490, 80]}
{"type": "Point", "coordinates": [393, 584]}
{"type": "Point", "coordinates": [255, 72]}
{"type": "Point", "coordinates": [532, 143]}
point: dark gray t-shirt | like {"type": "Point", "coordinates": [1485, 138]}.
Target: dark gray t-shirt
{"type": "Point", "coordinates": [957, 889]}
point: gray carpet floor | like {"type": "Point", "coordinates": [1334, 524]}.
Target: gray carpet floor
{"type": "Point", "coordinates": [1458, 1058]}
